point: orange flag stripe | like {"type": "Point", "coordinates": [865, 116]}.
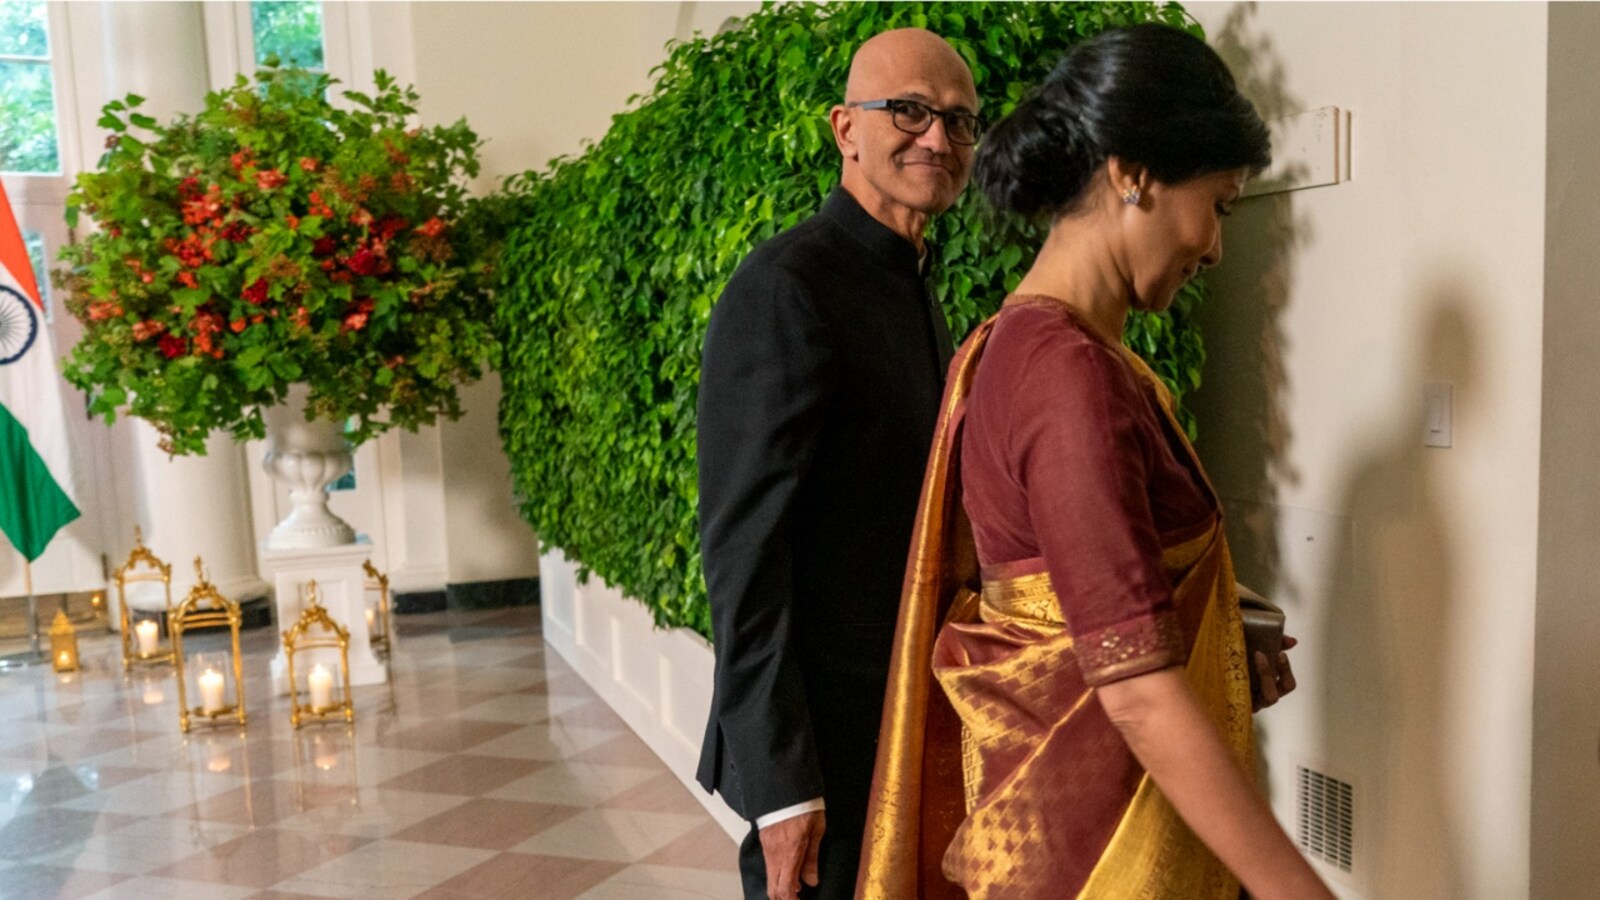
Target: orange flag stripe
{"type": "Point", "coordinates": [14, 253]}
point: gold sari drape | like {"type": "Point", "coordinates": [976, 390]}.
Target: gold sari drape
{"type": "Point", "coordinates": [961, 790]}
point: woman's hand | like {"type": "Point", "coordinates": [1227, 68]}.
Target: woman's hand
{"type": "Point", "coordinates": [1277, 681]}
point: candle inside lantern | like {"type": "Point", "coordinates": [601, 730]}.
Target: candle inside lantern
{"type": "Point", "coordinates": [320, 681]}
{"type": "Point", "coordinates": [146, 632]}
{"type": "Point", "coordinates": [63, 660]}
{"type": "Point", "coordinates": [211, 683]}
{"type": "Point", "coordinates": [372, 618]}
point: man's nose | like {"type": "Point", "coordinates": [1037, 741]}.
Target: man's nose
{"type": "Point", "coordinates": [936, 138]}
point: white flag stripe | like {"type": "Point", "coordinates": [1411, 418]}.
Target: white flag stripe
{"type": "Point", "coordinates": [32, 390]}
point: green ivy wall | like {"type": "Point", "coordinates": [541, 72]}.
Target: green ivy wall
{"type": "Point", "coordinates": [619, 254]}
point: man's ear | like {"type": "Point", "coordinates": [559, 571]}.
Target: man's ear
{"type": "Point", "coordinates": [844, 125]}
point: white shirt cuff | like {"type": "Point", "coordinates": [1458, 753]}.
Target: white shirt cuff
{"type": "Point", "coordinates": [788, 812]}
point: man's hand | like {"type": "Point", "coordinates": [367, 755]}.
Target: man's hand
{"type": "Point", "coordinates": [790, 848]}
{"type": "Point", "coordinates": [1277, 681]}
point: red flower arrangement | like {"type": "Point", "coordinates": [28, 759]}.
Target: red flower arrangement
{"type": "Point", "coordinates": [272, 239]}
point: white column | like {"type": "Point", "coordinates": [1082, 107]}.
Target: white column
{"type": "Point", "coordinates": [198, 505]}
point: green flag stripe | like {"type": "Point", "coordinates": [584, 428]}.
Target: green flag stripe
{"type": "Point", "coordinates": [32, 506]}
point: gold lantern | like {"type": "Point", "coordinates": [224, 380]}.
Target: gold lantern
{"type": "Point", "coordinates": [314, 637]}
{"type": "Point", "coordinates": [205, 607]}
{"type": "Point", "coordinates": [63, 643]}
{"type": "Point", "coordinates": [143, 641]}
{"type": "Point", "coordinates": [378, 624]}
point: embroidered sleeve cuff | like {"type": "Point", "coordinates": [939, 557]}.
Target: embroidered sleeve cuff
{"type": "Point", "coordinates": [1129, 648]}
{"type": "Point", "coordinates": [788, 812]}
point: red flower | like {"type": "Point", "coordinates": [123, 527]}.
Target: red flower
{"type": "Point", "coordinates": [431, 228]}
{"type": "Point", "coordinates": [324, 246]}
{"type": "Point", "coordinates": [149, 328]}
{"type": "Point", "coordinates": [301, 317]}
{"type": "Point", "coordinates": [173, 346]}
{"type": "Point", "coordinates": [294, 222]}
{"type": "Point", "coordinates": [364, 262]}
{"type": "Point", "coordinates": [237, 232]}
{"type": "Point", "coordinates": [389, 226]}
{"type": "Point", "coordinates": [307, 164]}
{"type": "Point", "coordinates": [238, 325]}
{"type": "Point", "coordinates": [361, 218]}
{"type": "Point", "coordinates": [271, 179]}
{"type": "Point", "coordinates": [256, 293]}
{"type": "Point", "coordinates": [103, 310]}
{"type": "Point", "coordinates": [241, 159]}
{"type": "Point", "coordinates": [187, 279]}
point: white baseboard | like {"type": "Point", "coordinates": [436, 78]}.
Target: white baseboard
{"type": "Point", "coordinates": [658, 681]}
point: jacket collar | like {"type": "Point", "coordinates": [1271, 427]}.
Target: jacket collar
{"type": "Point", "coordinates": [895, 251]}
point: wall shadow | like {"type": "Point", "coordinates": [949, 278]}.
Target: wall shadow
{"type": "Point", "coordinates": [1387, 652]}
{"type": "Point", "coordinates": [1244, 429]}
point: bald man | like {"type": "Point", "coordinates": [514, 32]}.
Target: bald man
{"type": "Point", "coordinates": [821, 376]}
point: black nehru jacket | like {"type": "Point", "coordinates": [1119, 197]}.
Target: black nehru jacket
{"type": "Point", "coordinates": [820, 384]}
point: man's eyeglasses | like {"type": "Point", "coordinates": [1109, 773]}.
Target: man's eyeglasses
{"type": "Point", "coordinates": [960, 127]}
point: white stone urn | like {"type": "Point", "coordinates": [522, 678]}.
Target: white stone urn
{"type": "Point", "coordinates": [306, 457]}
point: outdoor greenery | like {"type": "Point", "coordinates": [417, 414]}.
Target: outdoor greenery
{"type": "Point", "coordinates": [609, 281]}
{"type": "Point", "coordinates": [27, 102]}
{"type": "Point", "coordinates": [273, 238]}
{"type": "Point", "coordinates": [287, 32]}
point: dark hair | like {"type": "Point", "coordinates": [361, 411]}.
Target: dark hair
{"type": "Point", "coordinates": [1149, 94]}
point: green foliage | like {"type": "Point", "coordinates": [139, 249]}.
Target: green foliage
{"type": "Point", "coordinates": [24, 29]}
{"type": "Point", "coordinates": [287, 31]}
{"type": "Point", "coordinates": [27, 102]}
{"type": "Point", "coordinates": [621, 252]}
{"type": "Point", "coordinates": [272, 239]}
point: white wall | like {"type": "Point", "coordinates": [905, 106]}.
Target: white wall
{"type": "Point", "coordinates": [1409, 573]}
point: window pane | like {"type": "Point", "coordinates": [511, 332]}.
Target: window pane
{"type": "Point", "coordinates": [35, 244]}
{"type": "Point", "coordinates": [22, 29]}
{"type": "Point", "coordinates": [291, 30]}
{"type": "Point", "coordinates": [27, 118]}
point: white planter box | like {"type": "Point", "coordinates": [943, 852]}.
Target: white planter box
{"type": "Point", "coordinates": [658, 681]}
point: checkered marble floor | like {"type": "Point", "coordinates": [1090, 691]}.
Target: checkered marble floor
{"type": "Point", "coordinates": [486, 768]}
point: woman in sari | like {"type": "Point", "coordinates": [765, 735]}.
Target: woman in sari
{"type": "Point", "coordinates": [1069, 703]}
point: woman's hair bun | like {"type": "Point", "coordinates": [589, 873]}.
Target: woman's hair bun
{"type": "Point", "coordinates": [1150, 94]}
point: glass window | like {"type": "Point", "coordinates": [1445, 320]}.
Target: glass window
{"type": "Point", "coordinates": [35, 244]}
{"type": "Point", "coordinates": [28, 142]}
{"type": "Point", "coordinates": [290, 30]}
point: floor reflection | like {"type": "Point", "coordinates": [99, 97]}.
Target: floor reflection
{"type": "Point", "coordinates": [485, 768]}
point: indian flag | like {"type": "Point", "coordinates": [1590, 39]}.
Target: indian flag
{"type": "Point", "coordinates": [34, 482]}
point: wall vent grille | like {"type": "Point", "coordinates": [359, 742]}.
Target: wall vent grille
{"type": "Point", "coordinates": [1326, 817]}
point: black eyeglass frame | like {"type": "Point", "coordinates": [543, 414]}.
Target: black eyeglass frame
{"type": "Point", "coordinates": [889, 104]}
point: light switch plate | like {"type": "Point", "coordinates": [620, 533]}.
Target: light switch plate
{"type": "Point", "coordinates": [1438, 403]}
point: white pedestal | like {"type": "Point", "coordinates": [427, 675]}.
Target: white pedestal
{"type": "Point", "coordinates": [341, 590]}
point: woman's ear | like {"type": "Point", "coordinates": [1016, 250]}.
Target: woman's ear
{"type": "Point", "coordinates": [1128, 180]}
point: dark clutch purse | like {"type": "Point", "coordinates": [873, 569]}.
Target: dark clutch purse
{"type": "Point", "coordinates": [1263, 632]}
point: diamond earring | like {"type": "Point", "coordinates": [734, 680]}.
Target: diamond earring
{"type": "Point", "coordinates": [1131, 196]}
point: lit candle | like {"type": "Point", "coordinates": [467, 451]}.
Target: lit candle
{"type": "Point", "coordinates": [146, 630]}
{"type": "Point", "coordinates": [320, 681]}
{"type": "Point", "coordinates": [372, 618]}
{"type": "Point", "coordinates": [63, 659]}
{"type": "Point", "coordinates": [153, 695]}
{"type": "Point", "coordinates": [211, 684]}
